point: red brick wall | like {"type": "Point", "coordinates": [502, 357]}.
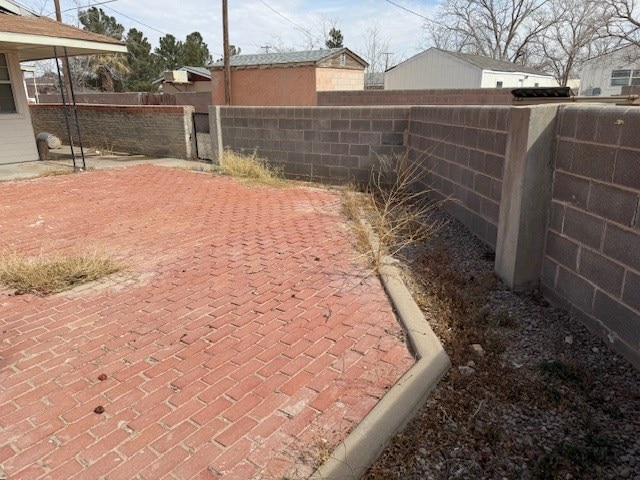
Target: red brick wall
{"type": "Point", "coordinates": [480, 96]}
{"type": "Point", "coordinates": [163, 131]}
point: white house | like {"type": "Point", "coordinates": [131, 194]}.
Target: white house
{"type": "Point", "coordinates": [606, 74]}
{"type": "Point", "coordinates": [25, 37]}
{"type": "Point", "coordinates": [435, 68]}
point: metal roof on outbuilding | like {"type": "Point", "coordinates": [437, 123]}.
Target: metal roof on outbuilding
{"type": "Point", "coordinates": [286, 58]}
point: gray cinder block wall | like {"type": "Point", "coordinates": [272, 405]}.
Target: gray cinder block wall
{"type": "Point", "coordinates": [461, 152]}
{"type": "Point", "coordinates": [163, 131]}
{"type": "Point", "coordinates": [328, 145]}
{"type": "Point", "coordinates": [592, 255]}
{"type": "Point", "coordinates": [554, 189]}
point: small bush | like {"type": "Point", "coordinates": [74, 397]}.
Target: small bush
{"type": "Point", "coordinates": [250, 167]}
{"type": "Point", "coordinates": [44, 275]}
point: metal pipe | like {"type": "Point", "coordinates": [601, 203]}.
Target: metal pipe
{"type": "Point", "coordinates": [75, 110]}
{"type": "Point", "coordinates": [64, 107]}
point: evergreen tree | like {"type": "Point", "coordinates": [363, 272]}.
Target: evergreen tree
{"type": "Point", "coordinates": [95, 20]}
{"type": "Point", "coordinates": [335, 39]}
{"type": "Point", "coordinates": [143, 67]}
{"type": "Point", "coordinates": [169, 53]}
{"type": "Point", "coordinates": [195, 52]}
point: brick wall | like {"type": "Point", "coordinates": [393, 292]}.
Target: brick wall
{"type": "Point", "coordinates": [480, 96]}
{"type": "Point", "coordinates": [332, 144]}
{"type": "Point", "coordinates": [592, 254]}
{"type": "Point", "coordinates": [164, 131]}
{"type": "Point", "coordinates": [199, 100]}
{"type": "Point", "coordinates": [461, 152]}
{"type": "Point", "coordinates": [98, 98]}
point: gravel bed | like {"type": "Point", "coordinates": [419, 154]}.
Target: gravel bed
{"type": "Point", "coordinates": [532, 394]}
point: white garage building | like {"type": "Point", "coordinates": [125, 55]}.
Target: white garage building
{"type": "Point", "coordinates": [435, 68]}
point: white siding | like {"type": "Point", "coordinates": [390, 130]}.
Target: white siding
{"type": "Point", "coordinates": [597, 72]}
{"type": "Point", "coordinates": [515, 80]}
{"type": "Point", "coordinates": [17, 140]}
{"type": "Point", "coordinates": [432, 69]}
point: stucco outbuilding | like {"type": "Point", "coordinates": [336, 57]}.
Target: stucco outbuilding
{"type": "Point", "coordinates": [291, 78]}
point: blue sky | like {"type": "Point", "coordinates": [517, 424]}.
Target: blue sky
{"type": "Point", "coordinates": [255, 23]}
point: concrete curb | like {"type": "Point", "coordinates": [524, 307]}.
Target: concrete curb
{"type": "Point", "coordinates": [351, 458]}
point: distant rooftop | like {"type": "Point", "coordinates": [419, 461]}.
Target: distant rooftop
{"type": "Point", "coordinates": [308, 56]}
{"type": "Point", "coordinates": [485, 63]}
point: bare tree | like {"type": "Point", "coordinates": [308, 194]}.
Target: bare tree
{"type": "Point", "coordinates": [578, 34]}
{"type": "Point", "coordinates": [623, 20]}
{"type": "Point", "coordinates": [500, 29]}
{"type": "Point", "coordinates": [375, 50]}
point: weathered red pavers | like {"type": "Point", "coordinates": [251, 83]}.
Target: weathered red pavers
{"type": "Point", "coordinates": [243, 335]}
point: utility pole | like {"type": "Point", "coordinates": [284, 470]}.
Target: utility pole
{"type": "Point", "coordinates": [227, 64]}
{"type": "Point", "coordinates": [65, 62]}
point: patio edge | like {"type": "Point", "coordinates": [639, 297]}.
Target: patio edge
{"type": "Point", "coordinates": [351, 458]}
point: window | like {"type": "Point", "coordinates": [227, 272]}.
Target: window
{"type": "Point", "coordinates": [620, 78]}
{"type": "Point", "coordinates": [635, 77]}
{"type": "Point", "coordinates": [499, 84]}
{"type": "Point", "coordinates": [343, 59]}
{"type": "Point", "coordinates": [7, 104]}
{"type": "Point", "coordinates": [536, 85]}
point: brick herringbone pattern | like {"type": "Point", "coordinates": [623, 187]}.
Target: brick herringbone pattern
{"type": "Point", "coordinates": [241, 335]}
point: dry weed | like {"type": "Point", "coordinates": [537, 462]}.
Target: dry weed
{"type": "Point", "coordinates": [397, 212]}
{"type": "Point", "coordinates": [45, 275]}
{"type": "Point", "coordinates": [251, 168]}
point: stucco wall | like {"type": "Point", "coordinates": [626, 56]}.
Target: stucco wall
{"type": "Point", "coordinates": [17, 140]}
{"type": "Point", "coordinates": [267, 87]}
{"type": "Point", "coordinates": [331, 79]}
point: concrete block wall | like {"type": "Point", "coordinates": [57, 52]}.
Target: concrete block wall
{"type": "Point", "coordinates": [163, 131]}
{"type": "Point", "coordinates": [199, 100]}
{"type": "Point", "coordinates": [329, 145]}
{"type": "Point", "coordinates": [478, 96]}
{"type": "Point", "coordinates": [592, 255]}
{"type": "Point", "coordinates": [461, 153]}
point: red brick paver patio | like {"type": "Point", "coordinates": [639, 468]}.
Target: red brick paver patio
{"type": "Point", "coordinates": [243, 336]}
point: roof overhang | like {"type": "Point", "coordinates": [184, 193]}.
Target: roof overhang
{"type": "Point", "coordinates": [39, 38]}
{"type": "Point", "coordinates": [38, 47]}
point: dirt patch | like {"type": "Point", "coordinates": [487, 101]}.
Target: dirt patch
{"type": "Point", "coordinates": [531, 395]}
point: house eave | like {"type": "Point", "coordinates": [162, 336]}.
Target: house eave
{"type": "Point", "coordinates": [31, 47]}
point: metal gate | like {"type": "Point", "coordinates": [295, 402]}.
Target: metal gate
{"type": "Point", "coordinates": [202, 136]}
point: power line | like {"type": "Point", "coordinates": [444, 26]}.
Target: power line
{"type": "Point", "coordinates": [408, 10]}
{"type": "Point", "coordinates": [137, 21]}
{"type": "Point", "coordinates": [87, 6]}
{"type": "Point", "coordinates": [298, 26]}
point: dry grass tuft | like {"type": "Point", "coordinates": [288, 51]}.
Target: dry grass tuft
{"type": "Point", "coordinates": [396, 211]}
{"type": "Point", "coordinates": [45, 275]}
{"type": "Point", "coordinates": [251, 168]}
